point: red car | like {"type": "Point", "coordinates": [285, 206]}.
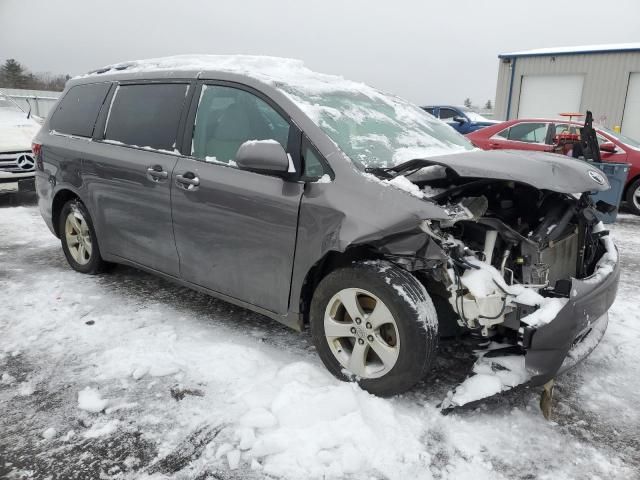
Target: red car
{"type": "Point", "coordinates": [540, 135]}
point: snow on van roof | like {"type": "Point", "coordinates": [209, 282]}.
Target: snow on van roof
{"type": "Point", "coordinates": [271, 70]}
{"type": "Point", "coordinates": [612, 47]}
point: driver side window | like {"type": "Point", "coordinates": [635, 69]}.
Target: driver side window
{"type": "Point", "coordinates": [448, 114]}
{"type": "Point", "coordinates": [227, 117]}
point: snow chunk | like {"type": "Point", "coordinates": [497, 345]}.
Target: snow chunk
{"type": "Point", "coordinates": [233, 458]}
{"type": "Point", "coordinates": [101, 430]}
{"type": "Point", "coordinates": [324, 179]}
{"type": "Point", "coordinates": [403, 183]}
{"type": "Point", "coordinates": [91, 401]}
{"type": "Point", "coordinates": [49, 433]}
{"type": "Point", "coordinates": [259, 418]}
{"type": "Point", "coordinates": [492, 375]}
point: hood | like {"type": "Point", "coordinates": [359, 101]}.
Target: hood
{"type": "Point", "coordinates": [544, 171]}
{"type": "Point", "coordinates": [16, 130]}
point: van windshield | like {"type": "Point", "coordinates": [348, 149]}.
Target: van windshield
{"type": "Point", "coordinates": [377, 130]}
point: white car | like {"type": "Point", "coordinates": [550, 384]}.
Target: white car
{"type": "Point", "coordinates": [17, 129]}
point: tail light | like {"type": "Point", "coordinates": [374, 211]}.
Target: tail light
{"type": "Point", "coordinates": [36, 148]}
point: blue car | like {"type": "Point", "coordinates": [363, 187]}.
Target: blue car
{"type": "Point", "coordinates": [461, 119]}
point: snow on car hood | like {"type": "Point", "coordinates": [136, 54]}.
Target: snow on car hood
{"type": "Point", "coordinates": [16, 130]}
{"type": "Point", "coordinates": [545, 171]}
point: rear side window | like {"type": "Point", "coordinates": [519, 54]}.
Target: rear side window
{"type": "Point", "coordinates": [77, 112]}
{"type": "Point", "coordinates": [528, 132]}
{"type": "Point", "coordinates": [146, 115]}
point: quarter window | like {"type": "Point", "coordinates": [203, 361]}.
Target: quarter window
{"type": "Point", "coordinates": [312, 165]}
{"type": "Point", "coordinates": [526, 132]}
{"type": "Point", "coordinates": [227, 117]}
{"type": "Point", "coordinates": [146, 115]}
{"type": "Point", "coordinates": [77, 112]}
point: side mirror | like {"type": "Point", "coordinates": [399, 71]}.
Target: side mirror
{"type": "Point", "coordinates": [608, 147]}
{"type": "Point", "coordinates": [460, 119]}
{"type": "Point", "coordinates": [262, 156]}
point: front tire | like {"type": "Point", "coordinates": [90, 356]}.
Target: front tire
{"type": "Point", "coordinates": [633, 197]}
{"type": "Point", "coordinates": [374, 322]}
{"type": "Point", "coordinates": [79, 240]}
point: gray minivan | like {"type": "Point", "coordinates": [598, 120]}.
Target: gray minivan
{"type": "Point", "coordinates": [316, 200]}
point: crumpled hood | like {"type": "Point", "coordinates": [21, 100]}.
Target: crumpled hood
{"type": "Point", "coordinates": [544, 171]}
{"type": "Point", "coordinates": [16, 130]}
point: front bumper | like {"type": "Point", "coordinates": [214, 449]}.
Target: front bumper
{"type": "Point", "coordinates": [577, 329]}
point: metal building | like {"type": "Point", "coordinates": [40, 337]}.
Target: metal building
{"type": "Point", "coordinates": [545, 82]}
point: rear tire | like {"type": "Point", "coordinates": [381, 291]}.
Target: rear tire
{"type": "Point", "coordinates": [633, 197]}
{"type": "Point", "coordinates": [79, 240]}
{"type": "Point", "coordinates": [390, 344]}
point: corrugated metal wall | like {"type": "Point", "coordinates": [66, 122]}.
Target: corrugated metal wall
{"type": "Point", "coordinates": [606, 78]}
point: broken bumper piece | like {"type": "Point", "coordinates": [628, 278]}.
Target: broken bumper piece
{"type": "Point", "coordinates": [550, 349]}
{"type": "Point", "coordinates": [577, 329]}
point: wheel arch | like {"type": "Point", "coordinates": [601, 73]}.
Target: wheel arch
{"type": "Point", "coordinates": [60, 198]}
{"type": "Point", "coordinates": [628, 185]}
{"type": "Point", "coordinates": [331, 261]}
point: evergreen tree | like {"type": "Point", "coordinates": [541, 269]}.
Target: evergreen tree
{"type": "Point", "coordinates": [13, 75]}
{"type": "Point", "coordinates": [488, 105]}
{"type": "Point", "coordinates": [467, 102]}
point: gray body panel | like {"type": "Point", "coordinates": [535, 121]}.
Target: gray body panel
{"type": "Point", "coordinates": [131, 211]}
{"type": "Point", "coordinates": [236, 232]}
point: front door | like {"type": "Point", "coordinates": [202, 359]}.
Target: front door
{"type": "Point", "coordinates": [236, 230]}
{"type": "Point", "coordinates": [128, 174]}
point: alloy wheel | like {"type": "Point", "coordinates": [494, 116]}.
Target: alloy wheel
{"type": "Point", "coordinates": [362, 333]}
{"type": "Point", "coordinates": [636, 198]}
{"type": "Point", "coordinates": [78, 237]}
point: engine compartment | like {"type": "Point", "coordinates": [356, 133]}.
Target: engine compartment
{"type": "Point", "coordinates": [513, 250]}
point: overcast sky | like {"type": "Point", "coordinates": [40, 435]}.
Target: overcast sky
{"type": "Point", "coordinates": [429, 52]}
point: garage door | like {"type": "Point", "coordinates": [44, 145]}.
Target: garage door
{"type": "Point", "coordinates": [545, 96]}
{"type": "Point", "coordinates": [631, 118]}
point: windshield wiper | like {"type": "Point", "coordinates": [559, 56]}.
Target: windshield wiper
{"type": "Point", "coordinates": [390, 172]}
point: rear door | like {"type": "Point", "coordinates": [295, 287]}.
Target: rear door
{"type": "Point", "coordinates": [236, 230]}
{"type": "Point", "coordinates": [129, 175]}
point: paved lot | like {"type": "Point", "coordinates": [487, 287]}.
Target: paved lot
{"type": "Point", "coordinates": [127, 376]}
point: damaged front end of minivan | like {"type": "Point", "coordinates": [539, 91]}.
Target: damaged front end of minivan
{"type": "Point", "coordinates": [525, 265]}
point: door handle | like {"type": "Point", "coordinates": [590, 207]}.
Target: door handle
{"type": "Point", "coordinates": [188, 181]}
{"type": "Point", "coordinates": [495, 145]}
{"type": "Point", "coordinates": [156, 173]}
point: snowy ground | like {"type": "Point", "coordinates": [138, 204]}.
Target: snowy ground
{"type": "Point", "coordinates": [128, 376]}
